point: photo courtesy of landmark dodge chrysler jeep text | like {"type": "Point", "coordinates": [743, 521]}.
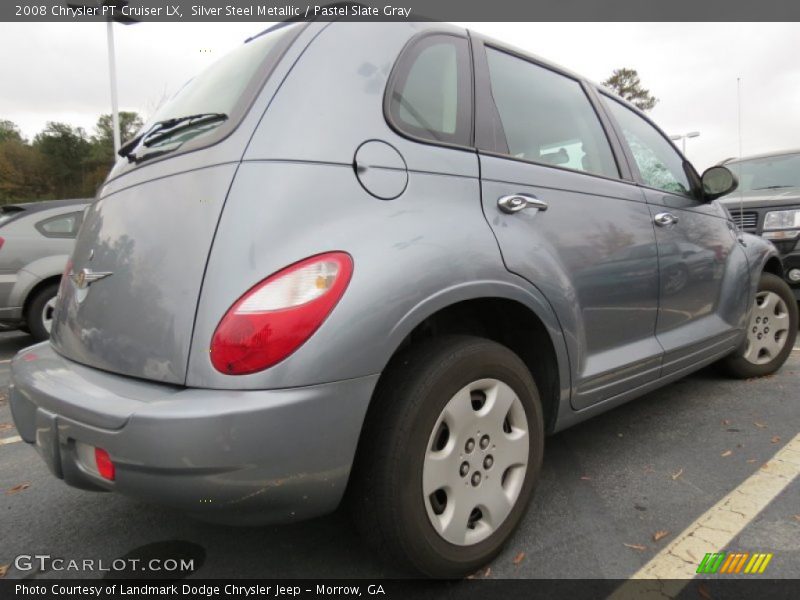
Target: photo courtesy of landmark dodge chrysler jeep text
{"type": "Point", "coordinates": [378, 263]}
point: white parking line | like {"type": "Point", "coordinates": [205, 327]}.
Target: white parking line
{"type": "Point", "coordinates": [10, 440]}
{"type": "Point", "coordinates": [672, 568]}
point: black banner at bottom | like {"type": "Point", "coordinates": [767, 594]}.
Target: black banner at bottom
{"type": "Point", "coordinates": [393, 589]}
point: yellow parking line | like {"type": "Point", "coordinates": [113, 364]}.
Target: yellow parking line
{"type": "Point", "coordinates": [673, 567]}
{"type": "Point", "coordinates": [10, 440]}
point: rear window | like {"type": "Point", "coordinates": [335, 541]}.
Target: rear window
{"type": "Point", "coordinates": [430, 95]}
{"type": "Point", "coordinates": [221, 86]}
{"type": "Point", "coordinates": [228, 87]}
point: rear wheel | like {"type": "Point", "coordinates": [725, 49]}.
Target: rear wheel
{"type": "Point", "coordinates": [449, 456]}
{"type": "Point", "coordinates": [40, 312]}
{"type": "Point", "coordinates": [771, 331]}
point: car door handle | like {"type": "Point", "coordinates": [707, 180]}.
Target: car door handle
{"type": "Point", "coordinates": [517, 202]}
{"type": "Point", "coordinates": [665, 219]}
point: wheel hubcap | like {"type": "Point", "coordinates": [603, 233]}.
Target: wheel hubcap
{"type": "Point", "coordinates": [47, 314]}
{"type": "Point", "coordinates": [475, 462]}
{"type": "Point", "coordinates": [768, 329]}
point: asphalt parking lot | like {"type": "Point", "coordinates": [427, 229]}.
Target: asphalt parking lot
{"type": "Point", "coordinates": [615, 491]}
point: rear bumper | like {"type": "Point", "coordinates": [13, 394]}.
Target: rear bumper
{"type": "Point", "coordinates": [223, 455]}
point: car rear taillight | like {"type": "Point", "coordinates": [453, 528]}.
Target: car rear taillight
{"type": "Point", "coordinates": [104, 465]}
{"type": "Point", "coordinates": [2, 241]}
{"type": "Point", "coordinates": [275, 317]}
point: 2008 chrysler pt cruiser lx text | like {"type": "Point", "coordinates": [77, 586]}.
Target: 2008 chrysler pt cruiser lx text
{"type": "Point", "coordinates": [380, 262]}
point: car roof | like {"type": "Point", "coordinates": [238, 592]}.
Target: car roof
{"type": "Point", "coordinates": [31, 207]}
{"type": "Point", "coordinates": [764, 155]}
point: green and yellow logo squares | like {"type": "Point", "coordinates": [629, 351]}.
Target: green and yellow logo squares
{"type": "Point", "coordinates": [734, 562]}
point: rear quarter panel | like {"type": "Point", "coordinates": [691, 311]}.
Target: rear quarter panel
{"type": "Point", "coordinates": [431, 238]}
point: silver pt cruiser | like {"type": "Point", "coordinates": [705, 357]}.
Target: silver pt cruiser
{"type": "Point", "coordinates": [380, 262]}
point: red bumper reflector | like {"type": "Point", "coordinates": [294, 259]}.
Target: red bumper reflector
{"type": "Point", "coordinates": [104, 465]}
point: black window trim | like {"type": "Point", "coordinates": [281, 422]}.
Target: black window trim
{"type": "Point", "coordinates": [691, 173]}
{"type": "Point", "coordinates": [485, 105]}
{"type": "Point", "coordinates": [39, 225]}
{"type": "Point", "coordinates": [401, 68]}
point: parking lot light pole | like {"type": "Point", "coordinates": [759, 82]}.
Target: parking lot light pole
{"type": "Point", "coordinates": [112, 74]}
{"type": "Point", "coordinates": [682, 137]}
{"type": "Point", "coordinates": [114, 14]}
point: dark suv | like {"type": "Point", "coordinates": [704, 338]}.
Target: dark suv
{"type": "Point", "coordinates": [767, 203]}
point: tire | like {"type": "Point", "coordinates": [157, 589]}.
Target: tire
{"type": "Point", "coordinates": [37, 323]}
{"type": "Point", "coordinates": [768, 344]}
{"type": "Point", "coordinates": [406, 427]}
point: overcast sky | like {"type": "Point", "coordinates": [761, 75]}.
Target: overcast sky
{"type": "Point", "coordinates": [58, 72]}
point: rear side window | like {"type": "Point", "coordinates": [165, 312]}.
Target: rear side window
{"type": "Point", "coordinates": [430, 93]}
{"type": "Point", "coordinates": [660, 166]}
{"type": "Point", "coordinates": [62, 226]}
{"type": "Point", "coordinates": [547, 117]}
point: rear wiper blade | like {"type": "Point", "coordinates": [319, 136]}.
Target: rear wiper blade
{"type": "Point", "coordinates": [181, 124]}
{"type": "Point", "coordinates": [167, 124]}
{"type": "Point", "coordinates": [772, 187]}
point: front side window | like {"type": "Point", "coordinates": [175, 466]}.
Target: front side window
{"type": "Point", "coordinates": [660, 166]}
{"type": "Point", "coordinates": [430, 94]}
{"type": "Point", "coordinates": [547, 117]}
{"type": "Point", "coordinates": [65, 226]}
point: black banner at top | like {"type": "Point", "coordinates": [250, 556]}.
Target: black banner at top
{"type": "Point", "coordinates": [398, 10]}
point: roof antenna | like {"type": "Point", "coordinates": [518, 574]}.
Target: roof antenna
{"type": "Point", "coordinates": [739, 164]}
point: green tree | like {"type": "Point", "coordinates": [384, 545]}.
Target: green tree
{"type": "Point", "coordinates": [65, 150]}
{"type": "Point", "coordinates": [103, 139]}
{"type": "Point", "coordinates": [61, 162]}
{"type": "Point", "coordinates": [21, 167]}
{"type": "Point", "coordinates": [9, 131]}
{"type": "Point", "coordinates": [22, 172]}
{"type": "Point", "coordinates": [626, 83]}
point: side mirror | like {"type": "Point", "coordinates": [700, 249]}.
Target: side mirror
{"type": "Point", "coordinates": [718, 181]}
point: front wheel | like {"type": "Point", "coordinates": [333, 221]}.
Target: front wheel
{"type": "Point", "coordinates": [449, 456]}
{"type": "Point", "coordinates": [771, 331]}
